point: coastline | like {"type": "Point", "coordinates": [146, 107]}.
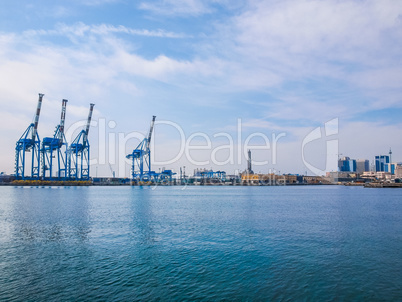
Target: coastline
{"type": "Point", "coordinates": [72, 183]}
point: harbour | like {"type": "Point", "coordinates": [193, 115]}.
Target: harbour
{"type": "Point", "coordinates": [201, 150]}
{"type": "Point", "coordinates": [161, 243]}
{"type": "Point", "coordinates": [55, 161]}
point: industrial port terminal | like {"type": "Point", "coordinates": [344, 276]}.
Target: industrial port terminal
{"type": "Point", "coordinates": [54, 161]}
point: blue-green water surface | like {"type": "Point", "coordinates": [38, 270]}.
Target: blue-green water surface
{"type": "Point", "coordinates": [308, 243]}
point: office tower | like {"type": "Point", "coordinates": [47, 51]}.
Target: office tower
{"type": "Point", "coordinates": [345, 164]}
{"type": "Point", "coordinates": [362, 165]}
{"type": "Point", "coordinates": [381, 163]}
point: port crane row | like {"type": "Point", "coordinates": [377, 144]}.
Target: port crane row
{"type": "Point", "coordinates": [72, 161]}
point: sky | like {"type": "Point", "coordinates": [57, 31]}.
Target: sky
{"type": "Point", "coordinates": [220, 76]}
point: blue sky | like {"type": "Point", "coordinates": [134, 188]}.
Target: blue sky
{"type": "Point", "coordinates": [279, 66]}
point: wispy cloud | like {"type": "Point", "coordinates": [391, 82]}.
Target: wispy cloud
{"type": "Point", "coordinates": [310, 47]}
{"type": "Point", "coordinates": [98, 2]}
{"type": "Point", "coordinates": [188, 8]}
{"type": "Point", "coordinates": [304, 38]}
{"type": "Point", "coordinates": [279, 65]}
{"type": "Point", "coordinates": [80, 29]}
{"type": "Point", "coordinates": [59, 12]}
{"type": "Point", "coordinates": [87, 69]}
{"type": "Point", "coordinates": [176, 7]}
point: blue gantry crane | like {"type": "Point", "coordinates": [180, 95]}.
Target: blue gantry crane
{"type": "Point", "coordinates": [78, 153]}
{"type": "Point", "coordinates": [29, 142]}
{"type": "Point", "coordinates": [140, 156]}
{"type": "Point", "coordinates": [55, 148]}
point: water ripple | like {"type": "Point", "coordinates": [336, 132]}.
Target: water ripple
{"type": "Point", "coordinates": [223, 243]}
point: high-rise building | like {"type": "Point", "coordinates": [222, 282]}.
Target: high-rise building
{"type": "Point", "coordinates": [249, 170]}
{"type": "Point", "coordinates": [391, 167]}
{"type": "Point", "coordinates": [345, 164]}
{"type": "Point", "coordinates": [381, 163]}
{"type": "Point", "coordinates": [398, 171]}
{"type": "Point", "coordinates": [362, 165]}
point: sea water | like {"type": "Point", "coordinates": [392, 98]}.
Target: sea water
{"type": "Point", "coordinates": [314, 243]}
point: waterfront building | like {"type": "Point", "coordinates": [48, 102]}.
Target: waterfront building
{"type": "Point", "coordinates": [205, 176]}
{"type": "Point", "coordinates": [345, 164]}
{"type": "Point", "coordinates": [334, 177]}
{"type": "Point", "coordinates": [362, 165]}
{"type": "Point", "coordinates": [5, 178]}
{"type": "Point", "coordinates": [252, 179]}
{"type": "Point", "coordinates": [270, 179]}
{"type": "Point", "coordinates": [314, 180]}
{"type": "Point", "coordinates": [291, 178]}
{"type": "Point", "coordinates": [398, 171]}
{"type": "Point", "coordinates": [370, 175]}
{"type": "Point", "coordinates": [391, 168]}
{"type": "Point", "coordinates": [381, 163]}
{"type": "Point", "coordinates": [383, 176]}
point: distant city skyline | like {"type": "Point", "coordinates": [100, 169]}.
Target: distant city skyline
{"type": "Point", "coordinates": [278, 71]}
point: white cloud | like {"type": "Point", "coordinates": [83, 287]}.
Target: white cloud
{"type": "Point", "coordinates": [59, 12]}
{"type": "Point", "coordinates": [97, 2]}
{"type": "Point", "coordinates": [93, 68]}
{"type": "Point", "coordinates": [313, 38]}
{"type": "Point", "coordinates": [330, 29]}
{"type": "Point", "coordinates": [80, 29]}
{"type": "Point", "coordinates": [176, 7]}
{"type": "Point", "coordinates": [80, 66]}
{"type": "Point", "coordinates": [311, 60]}
{"type": "Point", "coordinates": [189, 8]}
{"type": "Point", "coordinates": [353, 46]}
{"type": "Point", "coordinates": [389, 77]}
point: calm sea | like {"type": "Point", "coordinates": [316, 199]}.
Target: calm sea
{"type": "Point", "coordinates": [307, 243]}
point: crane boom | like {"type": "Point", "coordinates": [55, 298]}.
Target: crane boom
{"type": "Point", "coordinates": [63, 117]}
{"type": "Point", "coordinates": [35, 128]}
{"type": "Point", "coordinates": [150, 132]}
{"type": "Point", "coordinates": [91, 108]}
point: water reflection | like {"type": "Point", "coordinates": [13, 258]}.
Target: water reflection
{"type": "Point", "coordinates": [6, 225]}
{"type": "Point", "coordinates": [142, 222]}
{"type": "Point", "coordinates": [50, 214]}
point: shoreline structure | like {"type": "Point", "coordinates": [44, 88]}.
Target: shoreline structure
{"type": "Point", "coordinates": [128, 182]}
